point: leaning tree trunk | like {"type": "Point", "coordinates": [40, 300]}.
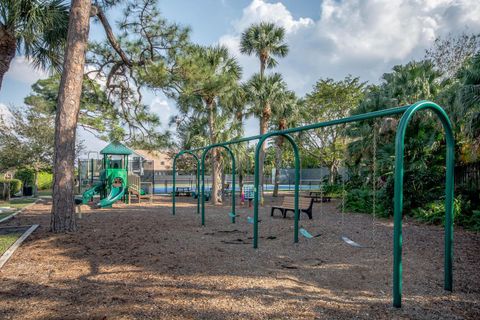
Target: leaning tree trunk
{"type": "Point", "coordinates": [8, 46]}
{"type": "Point", "coordinates": [214, 155]}
{"type": "Point", "coordinates": [68, 106]}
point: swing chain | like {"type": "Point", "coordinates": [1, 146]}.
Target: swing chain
{"type": "Point", "coordinates": [374, 179]}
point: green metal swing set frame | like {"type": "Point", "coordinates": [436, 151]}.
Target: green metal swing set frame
{"type": "Point", "coordinates": [408, 112]}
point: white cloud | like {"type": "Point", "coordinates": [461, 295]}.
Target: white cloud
{"type": "Point", "coordinates": [360, 37]}
{"type": "Point", "coordinates": [163, 109]}
{"type": "Point", "coordinates": [21, 69]}
{"type": "Point", "coordinates": [259, 10]}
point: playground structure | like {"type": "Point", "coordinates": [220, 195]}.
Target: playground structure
{"type": "Point", "coordinates": [407, 112]}
{"type": "Point", "coordinates": [115, 182]}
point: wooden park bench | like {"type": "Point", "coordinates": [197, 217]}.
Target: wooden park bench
{"type": "Point", "coordinates": [288, 204]}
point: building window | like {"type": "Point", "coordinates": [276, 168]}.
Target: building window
{"type": "Point", "coordinates": [162, 163]}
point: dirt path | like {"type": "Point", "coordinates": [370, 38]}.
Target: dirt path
{"type": "Point", "coordinates": [140, 262]}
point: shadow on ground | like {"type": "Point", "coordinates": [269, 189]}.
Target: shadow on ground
{"type": "Point", "coordinates": [139, 261]}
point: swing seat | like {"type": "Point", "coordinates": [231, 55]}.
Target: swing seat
{"type": "Point", "coordinates": [305, 233]}
{"type": "Point", "coordinates": [288, 204]}
{"type": "Point", "coordinates": [351, 242]}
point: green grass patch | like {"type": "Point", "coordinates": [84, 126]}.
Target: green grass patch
{"type": "Point", "coordinates": [42, 193]}
{"type": "Point", "coordinates": [6, 240]}
{"type": "Point", "coordinates": [4, 214]}
{"type": "Point", "coordinates": [17, 203]}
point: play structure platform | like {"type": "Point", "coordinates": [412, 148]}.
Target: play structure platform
{"type": "Point", "coordinates": [115, 182]}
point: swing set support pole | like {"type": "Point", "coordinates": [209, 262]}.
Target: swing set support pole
{"type": "Point", "coordinates": [407, 112]}
{"type": "Point", "coordinates": [232, 157]}
{"type": "Point", "coordinates": [256, 188]}
{"type": "Point", "coordinates": [398, 197]}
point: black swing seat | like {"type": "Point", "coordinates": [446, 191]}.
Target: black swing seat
{"type": "Point", "coordinates": [288, 204]}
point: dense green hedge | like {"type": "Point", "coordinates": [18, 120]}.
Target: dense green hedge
{"type": "Point", "coordinates": [15, 185]}
{"type": "Point", "coordinates": [27, 176]}
{"type": "Point", "coordinates": [466, 212]}
{"type": "Point", "coordinates": [45, 180]}
{"type": "Point", "coordinates": [333, 190]}
{"type": "Point", "coordinates": [361, 200]}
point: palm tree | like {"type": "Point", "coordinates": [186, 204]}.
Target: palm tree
{"type": "Point", "coordinates": [265, 40]}
{"type": "Point", "coordinates": [34, 28]}
{"type": "Point", "coordinates": [469, 98]}
{"type": "Point", "coordinates": [413, 81]}
{"type": "Point", "coordinates": [264, 93]}
{"type": "Point", "coordinates": [285, 115]}
{"type": "Point", "coordinates": [237, 103]}
{"type": "Point", "coordinates": [210, 74]}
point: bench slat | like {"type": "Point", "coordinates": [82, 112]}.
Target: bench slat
{"type": "Point", "coordinates": [289, 202]}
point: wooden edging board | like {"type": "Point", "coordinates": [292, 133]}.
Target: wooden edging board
{"type": "Point", "coordinates": [18, 211]}
{"type": "Point", "coordinates": [7, 254]}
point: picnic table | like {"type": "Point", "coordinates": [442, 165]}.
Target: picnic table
{"type": "Point", "coordinates": [318, 196]}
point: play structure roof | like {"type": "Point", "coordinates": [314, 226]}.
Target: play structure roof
{"type": "Point", "coordinates": [116, 148]}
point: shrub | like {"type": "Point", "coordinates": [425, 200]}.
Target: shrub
{"type": "Point", "coordinates": [361, 200]}
{"type": "Point", "coordinates": [27, 176]}
{"type": "Point", "coordinates": [15, 185]}
{"type": "Point", "coordinates": [44, 180]}
{"type": "Point", "coordinates": [470, 221]}
{"type": "Point", "coordinates": [332, 190]}
{"type": "Point", "coordinates": [434, 212]}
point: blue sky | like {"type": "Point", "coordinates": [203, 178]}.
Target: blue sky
{"type": "Point", "coordinates": [329, 38]}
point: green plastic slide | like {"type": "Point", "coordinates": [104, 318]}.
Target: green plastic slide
{"type": "Point", "coordinates": [87, 195]}
{"type": "Point", "coordinates": [115, 195]}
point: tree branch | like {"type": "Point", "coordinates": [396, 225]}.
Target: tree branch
{"type": "Point", "coordinates": [111, 37]}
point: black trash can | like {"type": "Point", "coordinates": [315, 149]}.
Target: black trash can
{"type": "Point", "coordinates": [28, 191]}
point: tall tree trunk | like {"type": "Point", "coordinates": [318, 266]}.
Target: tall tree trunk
{"type": "Point", "coordinates": [35, 183]}
{"type": "Point", "coordinates": [214, 155]}
{"type": "Point", "coordinates": [333, 170]}
{"type": "Point", "coordinates": [222, 184]}
{"type": "Point", "coordinates": [8, 186]}
{"type": "Point", "coordinates": [239, 162]}
{"type": "Point", "coordinates": [8, 46]}
{"type": "Point", "coordinates": [282, 124]}
{"type": "Point", "coordinates": [263, 60]}
{"type": "Point", "coordinates": [68, 106]}
{"type": "Point", "coordinates": [264, 120]}
{"type": "Point", "coordinates": [278, 164]}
